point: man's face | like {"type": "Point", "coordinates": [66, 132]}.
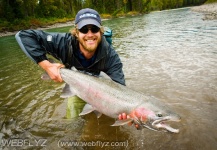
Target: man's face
{"type": "Point", "coordinates": [89, 38]}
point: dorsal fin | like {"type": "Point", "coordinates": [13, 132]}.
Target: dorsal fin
{"type": "Point", "coordinates": [104, 75]}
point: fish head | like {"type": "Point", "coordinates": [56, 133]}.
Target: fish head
{"type": "Point", "coordinates": [154, 119]}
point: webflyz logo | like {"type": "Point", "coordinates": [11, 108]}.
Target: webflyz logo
{"type": "Point", "coordinates": [22, 142]}
{"type": "Point", "coordinates": [88, 15]}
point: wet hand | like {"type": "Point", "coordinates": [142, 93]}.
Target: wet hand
{"type": "Point", "coordinates": [125, 116]}
{"type": "Point", "coordinates": [52, 70]}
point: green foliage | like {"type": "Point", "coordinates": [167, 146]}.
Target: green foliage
{"type": "Point", "coordinates": [21, 14]}
{"type": "Point", "coordinates": [120, 11]}
{"type": "Point", "coordinates": [211, 1]}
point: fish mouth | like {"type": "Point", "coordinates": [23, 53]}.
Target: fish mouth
{"type": "Point", "coordinates": [160, 124]}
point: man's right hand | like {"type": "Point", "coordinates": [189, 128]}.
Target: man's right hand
{"type": "Point", "coordinates": [125, 116]}
{"type": "Point", "coordinates": [52, 69]}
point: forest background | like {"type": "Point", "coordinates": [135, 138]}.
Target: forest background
{"type": "Point", "coordinates": [25, 14]}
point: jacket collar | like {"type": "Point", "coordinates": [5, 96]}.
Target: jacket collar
{"type": "Point", "coordinates": [102, 49]}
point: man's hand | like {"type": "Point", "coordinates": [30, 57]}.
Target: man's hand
{"type": "Point", "coordinates": [52, 69]}
{"type": "Point", "coordinates": [125, 116]}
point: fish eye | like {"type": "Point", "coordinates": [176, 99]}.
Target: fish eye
{"type": "Point", "coordinates": [159, 114]}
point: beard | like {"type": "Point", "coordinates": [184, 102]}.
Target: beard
{"type": "Point", "coordinates": [90, 47]}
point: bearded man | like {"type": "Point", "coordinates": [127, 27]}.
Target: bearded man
{"type": "Point", "coordinates": [84, 48]}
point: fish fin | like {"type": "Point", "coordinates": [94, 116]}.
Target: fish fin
{"type": "Point", "coordinates": [87, 109]}
{"type": "Point", "coordinates": [45, 76]}
{"type": "Point", "coordinates": [67, 92]}
{"type": "Point", "coordinates": [73, 68]}
{"type": "Point", "coordinates": [122, 122]}
{"type": "Point", "coordinates": [98, 114]}
{"type": "Point", "coordinates": [104, 75]}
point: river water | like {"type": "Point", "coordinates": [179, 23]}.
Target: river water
{"type": "Point", "coordinates": [171, 55]}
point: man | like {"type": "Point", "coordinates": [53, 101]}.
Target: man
{"type": "Point", "coordinates": [85, 48]}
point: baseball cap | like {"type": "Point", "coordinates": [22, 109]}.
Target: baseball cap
{"type": "Point", "coordinates": [87, 16]}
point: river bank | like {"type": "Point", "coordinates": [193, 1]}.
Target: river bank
{"type": "Point", "coordinates": [209, 10]}
{"type": "Point", "coordinates": [57, 25]}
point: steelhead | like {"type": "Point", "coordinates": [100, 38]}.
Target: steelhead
{"type": "Point", "coordinates": [104, 96]}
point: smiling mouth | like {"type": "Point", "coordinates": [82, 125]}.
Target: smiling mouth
{"type": "Point", "coordinates": [90, 40]}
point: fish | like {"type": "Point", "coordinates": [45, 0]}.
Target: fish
{"type": "Point", "coordinates": [105, 96]}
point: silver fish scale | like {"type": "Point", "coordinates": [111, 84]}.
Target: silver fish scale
{"type": "Point", "coordinates": [107, 96]}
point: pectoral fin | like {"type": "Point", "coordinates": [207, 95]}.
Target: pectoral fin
{"type": "Point", "coordinates": [87, 109]}
{"type": "Point", "coordinates": [122, 122]}
{"type": "Point", "coordinates": [67, 92]}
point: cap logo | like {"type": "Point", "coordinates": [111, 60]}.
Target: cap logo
{"type": "Point", "coordinates": [87, 15]}
{"type": "Point", "coordinates": [49, 38]}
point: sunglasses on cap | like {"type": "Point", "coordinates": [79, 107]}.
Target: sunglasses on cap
{"type": "Point", "coordinates": [85, 29]}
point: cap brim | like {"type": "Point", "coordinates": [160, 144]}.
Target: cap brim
{"type": "Point", "coordinates": [88, 21]}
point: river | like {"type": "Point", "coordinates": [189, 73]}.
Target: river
{"type": "Point", "coordinates": [171, 55]}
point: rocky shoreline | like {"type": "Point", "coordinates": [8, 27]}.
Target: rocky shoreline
{"type": "Point", "coordinates": [57, 25]}
{"type": "Point", "coordinates": [209, 10]}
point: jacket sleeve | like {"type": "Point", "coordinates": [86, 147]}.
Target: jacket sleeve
{"type": "Point", "coordinates": [36, 44]}
{"type": "Point", "coordinates": [113, 67]}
